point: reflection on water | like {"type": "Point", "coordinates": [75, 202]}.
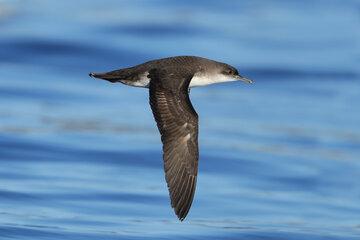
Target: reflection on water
{"type": "Point", "coordinates": [81, 159]}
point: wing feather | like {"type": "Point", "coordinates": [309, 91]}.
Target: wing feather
{"type": "Point", "coordinates": [178, 125]}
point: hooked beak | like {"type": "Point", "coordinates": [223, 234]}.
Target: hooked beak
{"type": "Point", "coordinates": [109, 76]}
{"type": "Point", "coordinates": [243, 79]}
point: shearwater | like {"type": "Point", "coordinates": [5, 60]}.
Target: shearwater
{"type": "Point", "coordinates": [169, 81]}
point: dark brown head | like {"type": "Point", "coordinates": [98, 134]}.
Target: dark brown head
{"type": "Point", "coordinates": [231, 73]}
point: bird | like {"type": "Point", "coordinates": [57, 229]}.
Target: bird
{"type": "Point", "coordinates": [169, 81]}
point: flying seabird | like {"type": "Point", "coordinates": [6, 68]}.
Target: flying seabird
{"type": "Point", "coordinates": [169, 81]}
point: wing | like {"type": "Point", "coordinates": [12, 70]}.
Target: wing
{"type": "Point", "coordinates": [178, 125]}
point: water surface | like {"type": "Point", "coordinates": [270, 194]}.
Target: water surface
{"type": "Point", "coordinates": [81, 159]}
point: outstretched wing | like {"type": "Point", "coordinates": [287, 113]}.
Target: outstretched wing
{"type": "Point", "coordinates": [178, 125]}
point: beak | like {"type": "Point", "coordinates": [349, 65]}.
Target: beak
{"type": "Point", "coordinates": [244, 79]}
{"type": "Point", "coordinates": [109, 76]}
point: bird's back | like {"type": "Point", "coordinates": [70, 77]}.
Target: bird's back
{"type": "Point", "coordinates": [187, 63]}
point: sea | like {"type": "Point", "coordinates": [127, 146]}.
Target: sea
{"type": "Point", "coordinates": [81, 159]}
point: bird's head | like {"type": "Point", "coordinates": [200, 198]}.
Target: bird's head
{"type": "Point", "coordinates": [229, 72]}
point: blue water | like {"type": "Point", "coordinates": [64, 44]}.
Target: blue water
{"type": "Point", "coordinates": [81, 159]}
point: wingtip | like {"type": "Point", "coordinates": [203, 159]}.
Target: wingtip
{"type": "Point", "coordinates": [179, 214]}
{"type": "Point", "coordinates": [181, 217]}
{"type": "Point", "coordinates": [182, 213]}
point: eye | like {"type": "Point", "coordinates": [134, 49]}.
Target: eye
{"type": "Point", "coordinates": [228, 71]}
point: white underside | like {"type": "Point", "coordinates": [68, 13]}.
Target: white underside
{"type": "Point", "coordinates": [196, 81]}
{"type": "Point", "coordinates": [143, 81]}
{"type": "Point", "coordinates": [203, 80]}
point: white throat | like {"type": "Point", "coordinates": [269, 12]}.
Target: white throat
{"type": "Point", "coordinates": [206, 79]}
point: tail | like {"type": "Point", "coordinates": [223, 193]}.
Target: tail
{"type": "Point", "coordinates": [113, 76]}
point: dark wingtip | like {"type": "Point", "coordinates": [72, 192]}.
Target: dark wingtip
{"type": "Point", "coordinates": [181, 215]}
{"type": "Point", "coordinates": [91, 74]}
